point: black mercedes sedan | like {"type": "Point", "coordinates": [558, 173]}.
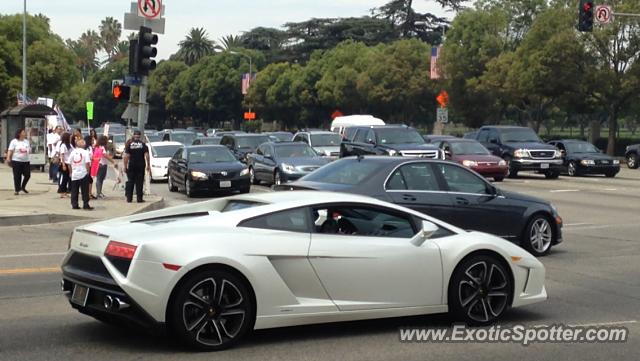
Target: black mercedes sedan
{"type": "Point", "coordinates": [581, 158]}
{"type": "Point", "coordinates": [445, 190]}
{"type": "Point", "coordinates": [277, 163]}
{"type": "Point", "coordinates": [207, 168]}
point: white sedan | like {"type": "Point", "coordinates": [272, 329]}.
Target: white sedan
{"type": "Point", "coordinates": [159, 155]}
{"type": "Point", "coordinates": [212, 271]}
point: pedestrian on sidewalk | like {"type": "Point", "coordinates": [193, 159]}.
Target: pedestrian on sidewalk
{"type": "Point", "coordinates": [94, 138]}
{"type": "Point", "coordinates": [18, 160]}
{"type": "Point", "coordinates": [99, 163]}
{"type": "Point", "coordinates": [52, 140]}
{"type": "Point", "coordinates": [80, 168]}
{"type": "Point", "coordinates": [76, 136]}
{"type": "Point", "coordinates": [136, 162]}
{"type": "Point", "coordinates": [88, 146]}
{"type": "Point", "coordinates": [64, 151]}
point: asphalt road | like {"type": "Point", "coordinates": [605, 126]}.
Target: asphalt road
{"type": "Point", "coordinates": [592, 278]}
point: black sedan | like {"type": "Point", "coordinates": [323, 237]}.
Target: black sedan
{"type": "Point", "coordinates": [207, 168]}
{"type": "Point", "coordinates": [581, 158]}
{"type": "Point", "coordinates": [277, 163]}
{"type": "Point", "coordinates": [444, 190]}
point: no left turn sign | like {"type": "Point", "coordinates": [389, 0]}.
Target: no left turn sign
{"type": "Point", "coordinates": [603, 14]}
{"type": "Point", "coordinates": [150, 9]}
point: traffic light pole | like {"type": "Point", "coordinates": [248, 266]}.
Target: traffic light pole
{"type": "Point", "coordinates": [142, 103]}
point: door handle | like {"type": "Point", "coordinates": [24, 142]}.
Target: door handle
{"type": "Point", "coordinates": [462, 201]}
{"type": "Point", "coordinates": [409, 197]}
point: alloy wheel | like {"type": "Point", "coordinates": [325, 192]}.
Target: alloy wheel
{"type": "Point", "coordinates": [483, 291]}
{"type": "Point", "coordinates": [540, 235]}
{"type": "Point", "coordinates": [571, 169]}
{"type": "Point", "coordinates": [276, 178]}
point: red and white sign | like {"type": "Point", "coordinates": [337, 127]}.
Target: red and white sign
{"type": "Point", "coordinates": [150, 9]}
{"type": "Point", "coordinates": [603, 14]}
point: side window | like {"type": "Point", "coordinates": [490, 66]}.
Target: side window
{"type": "Point", "coordinates": [298, 138]}
{"type": "Point", "coordinates": [268, 150]}
{"type": "Point", "coordinates": [483, 136]}
{"type": "Point", "coordinates": [293, 220]}
{"type": "Point", "coordinates": [371, 136]}
{"type": "Point", "coordinates": [413, 177]}
{"type": "Point", "coordinates": [360, 136]}
{"type": "Point", "coordinates": [184, 154]}
{"type": "Point", "coordinates": [305, 138]}
{"type": "Point", "coordinates": [493, 135]}
{"type": "Point", "coordinates": [461, 180]}
{"type": "Point", "coordinates": [260, 151]}
{"type": "Point", "coordinates": [178, 154]}
{"type": "Point", "coordinates": [362, 220]}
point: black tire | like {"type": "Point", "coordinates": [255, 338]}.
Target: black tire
{"type": "Point", "coordinates": [211, 325]}
{"type": "Point", "coordinates": [537, 238]}
{"type": "Point", "coordinates": [498, 179]}
{"type": "Point", "coordinates": [610, 174]}
{"type": "Point", "coordinates": [277, 178]}
{"type": "Point", "coordinates": [252, 176]}
{"type": "Point", "coordinates": [632, 161]}
{"type": "Point", "coordinates": [513, 173]}
{"type": "Point", "coordinates": [170, 185]}
{"type": "Point", "coordinates": [187, 189]}
{"type": "Point", "coordinates": [245, 190]}
{"type": "Point", "coordinates": [480, 290]}
{"type": "Point", "coordinates": [551, 174]}
{"type": "Point", "coordinates": [572, 169]}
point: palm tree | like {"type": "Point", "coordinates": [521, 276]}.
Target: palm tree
{"type": "Point", "coordinates": [231, 42]}
{"type": "Point", "coordinates": [86, 48]}
{"type": "Point", "coordinates": [196, 46]}
{"type": "Point", "coordinates": [110, 31]}
{"type": "Point", "coordinates": [121, 51]}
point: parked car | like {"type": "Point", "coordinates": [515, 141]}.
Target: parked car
{"type": "Point", "coordinates": [341, 123]}
{"type": "Point", "coordinates": [243, 144]}
{"type": "Point", "coordinates": [392, 140]}
{"type": "Point", "coordinates": [280, 136]}
{"type": "Point", "coordinates": [184, 137]}
{"type": "Point", "coordinates": [277, 163]}
{"type": "Point", "coordinates": [522, 149]}
{"type": "Point", "coordinates": [211, 272]}
{"type": "Point", "coordinates": [207, 168]}
{"type": "Point", "coordinates": [323, 142]}
{"type": "Point", "coordinates": [153, 136]}
{"type": "Point", "coordinates": [582, 158]}
{"type": "Point", "coordinates": [119, 142]}
{"type": "Point", "coordinates": [632, 155]}
{"type": "Point", "coordinates": [212, 140]}
{"type": "Point", "coordinates": [432, 138]}
{"type": "Point", "coordinates": [159, 155]}
{"type": "Point", "coordinates": [474, 155]}
{"type": "Point", "coordinates": [444, 190]}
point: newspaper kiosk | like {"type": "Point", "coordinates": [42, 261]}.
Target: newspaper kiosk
{"type": "Point", "coordinates": [32, 118]}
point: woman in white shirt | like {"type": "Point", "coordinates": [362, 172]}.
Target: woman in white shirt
{"type": "Point", "coordinates": [65, 165]}
{"type": "Point", "coordinates": [18, 159]}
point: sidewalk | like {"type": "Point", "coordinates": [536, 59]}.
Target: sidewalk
{"type": "Point", "coordinates": [44, 205]}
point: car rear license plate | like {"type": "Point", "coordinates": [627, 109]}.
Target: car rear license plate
{"type": "Point", "coordinates": [80, 295]}
{"type": "Point", "coordinates": [544, 166]}
{"type": "Point", "coordinates": [225, 184]}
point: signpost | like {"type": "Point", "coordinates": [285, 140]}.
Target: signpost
{"type": "Point", "coordinates": [89, 111]}
{"type": "Point", "coordinates": [443, 115]}
{"type": "Point", "coordinates": [149, 9]}
{"type": "Point", "coordinates": [604, 14]}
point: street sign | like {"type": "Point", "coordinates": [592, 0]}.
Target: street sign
{"type": "Point", "coordinates": [133, 21]}
{"type": "Point", "coordinates": [604, 14]}
{"type": "Point", "coordinates": [89, 110]}
{"type": "Point", "coordinates": [443, 99]}
{"type": "Point", "coordinates": [249, 116]}
{"type": "Point", "coordinates": [150, 9]}
{"type": "Point", "coordinates": [443, 115]}
{"type": "Point", "coordinates": [132, 80]}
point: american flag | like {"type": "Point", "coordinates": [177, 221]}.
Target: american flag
{"type": "Point", "coordinates": [435, 53]}
{"type": "Point", "coordinates": [246, 82]}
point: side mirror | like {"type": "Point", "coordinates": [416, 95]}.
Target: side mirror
{"type": "Point", "coordinates": [428, 229]}
{"type": "Point", "coordinates": [493, 141]}
{"type": "Point", "coordinates": [492, 191]}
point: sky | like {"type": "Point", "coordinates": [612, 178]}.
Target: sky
{"type": "Point", "coordinates": [70, 18]}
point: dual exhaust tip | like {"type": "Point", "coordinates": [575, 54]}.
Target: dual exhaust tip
{"type": "Point", "coordinates": [114, 303]}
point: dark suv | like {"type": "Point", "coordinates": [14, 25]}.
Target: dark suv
{"type": "Point", "coordinates": [632, 155]}
{"type": "Point", "coordinates": [396, 140]}
{"type": "Point", "coordinates": [522, 149]}
{"type": "Point", "coordinates": [243, 144]}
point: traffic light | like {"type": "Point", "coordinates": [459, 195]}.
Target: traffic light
{"type": "Point", "coordinates": [143, 63]}
{"type": "Point", "coordinates": [585, 16]}
{"type": "Point", "coordinates": [120, 92]}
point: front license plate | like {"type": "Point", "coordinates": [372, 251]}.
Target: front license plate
{"type": "Point", "coordinates": [80, 295]}
{"type": "Point", "coordinates": [544, 166]}
{"type": "Point", "coordinates": [225, 184]}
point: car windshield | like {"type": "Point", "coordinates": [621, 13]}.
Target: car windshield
{"type": "Point", "coordinates": [118, 138]}
{"type": "Point", "coordinates": [581, 147]}
{"type": "Point", "coordinates": [468, 148]}
{"type": "Point", "coordinates": [399, 136]}
{"type": "Point", "coordinates": [154, 137]}
{"type": "Point", "coordinates": [210, 140]}
{"type": "Point", "coordinates": [346, 171]}
{"type": "Point", "coordinates": [210, 155]}
{"type": "Point", "coordinates": [326, 140]}
{"type": "Point", "coordinates": [521, 135]}
{"type": "Point", "coordinates": [293, 151]}
{"type": "Point", "coordinates": [282, 137]}
{"type": "Point", "coordinates": [251, 142]}
{"type": "Point", "coordinates": [184, 138]}
{"type": "Point", "coordinates": [164, 151]}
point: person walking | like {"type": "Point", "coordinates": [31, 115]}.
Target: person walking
{"type": "Point", "coordinates": [64, 151]}
{"type": "Point", "coordinates": [18, 160]}
{"type": "Point", "coordinates": [80, 168]}
{"type": "Point", "coordinates": [99, 163]}
{"type": "Point", "coordinates": [52, 140]}
{"type": "Point", "coordinates": [136, 162]}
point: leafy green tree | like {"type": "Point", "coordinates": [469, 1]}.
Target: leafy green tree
{"type": "Point", "coordinates": [231, 42]}
{"type": "Point", "coordinates": [159, 82]}
{"type": "Point", "coordinates": [51, 68]}
{"type": "Point", "coordinates": [196, 46]}
{"type": "Point", "coordinates": [110, 32]}
{"type": "Point", "coordinates": [269, 41]}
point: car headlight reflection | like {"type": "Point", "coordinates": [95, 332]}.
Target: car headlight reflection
{"type": "Point", "coordinates": [244, 172]}
{"type": "Point", "coordinates": [557, 154]}
{"type": "Point", "coordinates": [615, 161]}
{"type": "Point", "coordinates": [392, 152]}
{"type": "Point", "coordinates": [588, 162]}
{"type": "Point", "coordinates": [469, 163]}
{"type": "Point", "coordinates": [502, 163]}
{"type": "Point", "coordinates": [521, 153]}
{"type": "Point", "coordinates": [198, 175]}
{"type": "Point", "coordinates": [288, 168]}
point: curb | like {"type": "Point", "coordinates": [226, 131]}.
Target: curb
{"type": "Point", "coordinates": [152, 206]}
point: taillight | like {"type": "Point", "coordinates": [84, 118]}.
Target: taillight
{"type": "Point", "coordinates": [120, 250]}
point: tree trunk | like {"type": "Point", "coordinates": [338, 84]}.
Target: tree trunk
{"type": "Point", "coordinates": [613, 125]}
{"type": "Point", "coordinates": [594, 130]}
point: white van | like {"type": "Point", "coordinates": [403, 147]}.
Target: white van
{"type": "Point", "coordinates": [340, 123]}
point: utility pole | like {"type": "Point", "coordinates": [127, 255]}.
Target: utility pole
{"type": "Point", "coordinates": [24, 52]}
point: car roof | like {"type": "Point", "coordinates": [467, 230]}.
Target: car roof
{"type": "Point", "coordinates": [244, 135]}
{"type": "Point", "coordinates": [303, 197]}
{"type": "Point", "coordinates": [504, 127]}
{"type": "Point", "coordinates": [162, 144]}
{"type": "Point", "coordinates": [205, 146]}
{"type": "Point", "coordinates": [318, 132]}
{"type": "Point", "coordinates": [569, 141]}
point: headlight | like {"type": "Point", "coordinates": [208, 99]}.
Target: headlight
{"type": "Point", "coordinates": [198, 175]}
{"type": "Point", "coordinates": [558, 154]}
{"type": "Point", "coordinates": [588, 162]}
{"type": "Point", "coordinates": [502, 163]}
{"type": "Point", "coordinates": [469, 163]}
{"type": "Point", "coordinates": [288, 168]}
{"type": "Point", "coordinates": [615, 161]}
{"type": "Point", "coordinates": [521, 153]}
{"type": "Point", "coordinates": [244, 172]}
{"type": "Point", "coordinates": [392, 152]}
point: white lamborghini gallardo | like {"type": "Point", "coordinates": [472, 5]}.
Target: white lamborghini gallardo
{"type": "Point", "coordinates": [212, 271]}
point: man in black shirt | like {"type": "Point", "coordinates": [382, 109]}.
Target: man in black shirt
{"type": "Point", "coordinates": [136, 160]}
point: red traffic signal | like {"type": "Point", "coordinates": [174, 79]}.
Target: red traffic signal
{"type": "Point", "coordinates": [121, 92]}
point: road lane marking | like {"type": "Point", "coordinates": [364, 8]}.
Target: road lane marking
{"type": "Point", "coordinates": [578, 224]}
{"type": "Point", "coordinates": [564, 190]}
{"type": "Point", "coordinates": [19, 271]}
{"type": "Point", "coordinates": [596, 324]}
{"type": "Point", "coordinates": [33, 255]}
